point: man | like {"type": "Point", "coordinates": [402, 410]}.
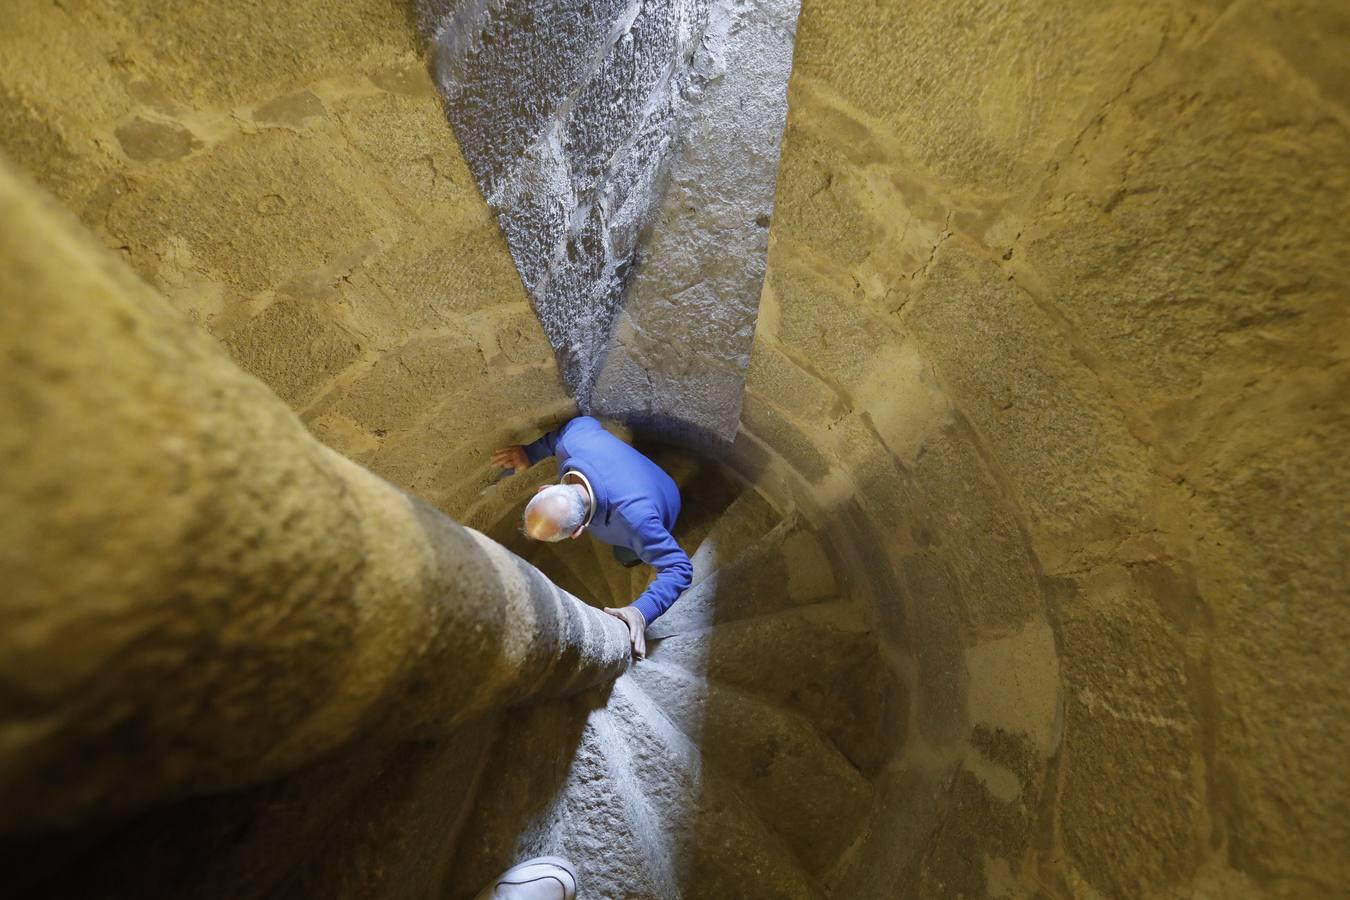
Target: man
{"type": "Point", "coordinates": [621, 497]}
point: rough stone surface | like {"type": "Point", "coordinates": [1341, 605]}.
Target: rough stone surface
{"type": "Point", "coordinates": [322, 219]}
{"type": "Point", "coordinates": [266, 601]}
{"type": "Point", "coordinates": [1050, 361]}
{"type": "Point", "coordinates": [1074, 279]}
{"type": "Point", "coordinates": [630, 151]}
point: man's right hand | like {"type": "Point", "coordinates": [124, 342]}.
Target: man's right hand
{"type": "Point", "coordinates": [512, 457]}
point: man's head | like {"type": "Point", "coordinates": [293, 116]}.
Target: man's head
{"type": "Point", "coordinates": [556, 513]}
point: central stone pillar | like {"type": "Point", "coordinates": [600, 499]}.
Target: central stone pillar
{"type": "Point", "coordinates": [198, 594]}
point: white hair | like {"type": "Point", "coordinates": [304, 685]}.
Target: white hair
{"type": "Point", "coordinates": [555, 513]}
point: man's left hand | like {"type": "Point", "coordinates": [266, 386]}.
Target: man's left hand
{"type": "Point", "coordinates": [637, 628]}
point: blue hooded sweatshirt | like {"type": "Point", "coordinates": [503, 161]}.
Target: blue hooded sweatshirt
{"type": "Point", "coordinates": [636, 503]}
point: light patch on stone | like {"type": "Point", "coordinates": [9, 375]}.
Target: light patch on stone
{"type": "Point", "coordinates": [1014, 684]}
{"type": "Point", "coordinates": [144, 140]}
{"type": "Point", "coordinates": [1001, 782]}
{"type": "Point", "coordinates": [904, 402]}
{"type": "Point", "coordinates": [998, 877]}
{"type": "Point", "coordinates": [292, 109]}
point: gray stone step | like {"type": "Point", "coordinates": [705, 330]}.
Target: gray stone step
{"type": "Point", "coordinates": [743, 523]}
{"type": "Point", "coordinates": [819, 661]}
{"type": "Point", "coordinates": [798, 782]}
{"type": "Point", "coordinates": [615, 576]}
{"type": "Point", "coordinates": [653, 838]}
{"type": "Point", "coordinates": [560, 784]}
{"type": "Point", "coordinates": [551, 790]}
{"type": "Point", "coordinates": [579, 559]}
{"type": "Point", "coordinates": [719, 847]}
{"type": "Point", "coordinates": [784, 569]}
{"type": "Point", "coordinates": [616, 847]}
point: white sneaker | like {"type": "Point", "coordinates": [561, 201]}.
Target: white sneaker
{"type": "Point", "coordinates": [542, 878]}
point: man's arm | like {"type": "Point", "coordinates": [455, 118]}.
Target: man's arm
{"type": "Point", "coordinates": [673, 569]}
{"type": "Point", "coordinates": [543, 448]}
{"type": "Point", "coordinates": [522, 456]}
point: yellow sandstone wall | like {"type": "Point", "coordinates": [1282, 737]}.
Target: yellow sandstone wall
{"type": "Point", "coordinates": [1057, 295]}
{"type": "Point", "coordinates": [1053, 339]}
{"type": "Point", "coordinates": [283, 172]}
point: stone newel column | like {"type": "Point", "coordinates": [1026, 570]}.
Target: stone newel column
{"type": "Point", "coordinates": [197, 594]}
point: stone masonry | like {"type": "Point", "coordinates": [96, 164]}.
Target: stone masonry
{"type": "Point", "coordinates": [1049, 371]}
{"type": "Point", "coordinates": [629, 150]}
{"type": "Point", "coordinates": [313, 599]}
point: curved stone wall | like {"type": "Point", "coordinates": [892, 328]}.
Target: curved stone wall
{"type": "Point", "coordinates": [1054, 330]}
{"type": "Point", "coordinates": [1051, 346]}
{"type": "Point", "coordinates": [283, 173]}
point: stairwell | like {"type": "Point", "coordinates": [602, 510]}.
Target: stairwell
{"type": "Point", "coordinates": [1022, 575]}
{"type": "Point", "coordinates": [745, 746]}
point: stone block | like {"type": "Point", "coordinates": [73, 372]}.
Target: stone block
{"type": "Point", "coordinates": [992, 115]}
{"type": "Point", "coordinates": [966, 519]}
{"type": "Point", "coordinates": [230, 55]}
{"type": "Point", "coordinates": [1078, 471]}
{"type": "Point", "coordinates": [396, 390]}
{"type": "Point", "coordinates": [428, 278]}
{"type": "Point", "coordinates": [932, 600]}
{"type": "Point", "coordinates": [820, 209]}
{"type": "Point", "coordinates": [295, 346]}
{"type": "Point", "coordinates": [789, 439]}
{"type": "Point", "coordinates": [406, 139]}
{"type": "Point", "coordinates": [246, 209]}
{"type": "Point", "coordinates": [806, 299]}
{"type": "Point", "coordinates": [1133, 791]}
{"type": "Point", "coordinates": [787, 385]}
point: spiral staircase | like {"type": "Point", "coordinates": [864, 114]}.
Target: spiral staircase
{"type": "Point", "coordinates": [738, 759]}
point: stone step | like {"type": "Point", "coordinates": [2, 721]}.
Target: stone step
{"type": "Point", "coordinates": [658, 856]}
{"type": "Point", "coordinates": [743, 523]}
{"type": "Point", "coordinates": [579, 558]}
{"type": "Point", "coordinates": [719, 846]}
{"type": "Point", "coordinates": [607, 832]}
{"type": "Point", "coordinates": [550, 791]}
{"type": "Point", "coordinates": [615, 576]}
{"type": "Point", "coordinates": [581, 584]}
{"type": "Point", "coordinates": [820, 661]}
{"type": "Point", "coordinates": [797, 781]}
{"type": "Point", "coordinates": [786, 568]}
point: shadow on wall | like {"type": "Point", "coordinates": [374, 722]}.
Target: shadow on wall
{"type": "Point", "coordinates": [970, 648]}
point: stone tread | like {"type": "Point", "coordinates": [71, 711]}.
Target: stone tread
{"type": "Point", "coordinates": [785, 568]}
{"type": "Point", "coordinates": [657, 853]}
{"type": "Point", "coordinates": [615, 576]}
{"type": "Point", "coordinates": [579, 558]}
{"type": "Point", "coordinates": [562, 570]}
{"type": "Point", "coordinates": [790, 775]}
{"type": "Point", "coordinates": [744, 522]}
{"type": "Point", "coordinates": [722, 848]}
{"type": "Point", "coordinates": [707, 770]}
{"type": "Point", "coordinates": [837, 679]}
